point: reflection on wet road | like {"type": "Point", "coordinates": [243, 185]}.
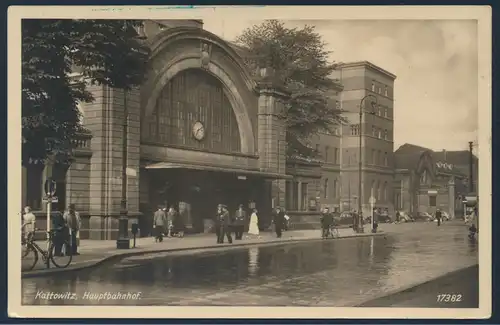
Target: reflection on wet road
{"type": "Point", "coordinates": [342, 272]}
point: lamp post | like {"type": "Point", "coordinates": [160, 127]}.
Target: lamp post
{"type": "Point", "coordinates": [123, 241]}
{"type": "Point", "coordinates": [360, 228]}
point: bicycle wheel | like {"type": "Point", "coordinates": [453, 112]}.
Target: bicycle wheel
{"type": "Point", "coordinates": [61, 256]}
{"type": "Point", "coordinates": [29, 257]}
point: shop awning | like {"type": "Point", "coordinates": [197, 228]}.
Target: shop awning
{"type": "Point", "coordinates": [236, 171]}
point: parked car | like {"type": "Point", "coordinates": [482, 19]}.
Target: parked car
{"type": "Point", "coordinates": [380, 218]}
{"type": "Point", "coordinates": [346, 218]}
{"type": "Point", "coordinates": [405, 217]}
{"type": "Point", "coordinates": [423, 216]}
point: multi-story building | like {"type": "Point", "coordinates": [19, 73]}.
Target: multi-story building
{"type": "Point", "coordinates": [374, 134]}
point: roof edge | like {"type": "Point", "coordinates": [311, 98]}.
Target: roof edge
{"type": "Point", "coordinates": [370, 65]}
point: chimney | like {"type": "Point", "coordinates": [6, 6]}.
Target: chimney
{"type": "Point", "coordinates": [444, 155]}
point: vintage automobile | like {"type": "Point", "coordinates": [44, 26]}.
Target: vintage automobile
{"type": "Point", "coordinates": [423, 216]}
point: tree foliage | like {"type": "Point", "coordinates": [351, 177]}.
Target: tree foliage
{"type": "Point", "coordinates": [301, 62]}
{"type": "Point", "coordinates": [106, 52]}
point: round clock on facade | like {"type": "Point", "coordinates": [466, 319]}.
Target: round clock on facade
{"type": "Point", "coordinates": [198, 131]}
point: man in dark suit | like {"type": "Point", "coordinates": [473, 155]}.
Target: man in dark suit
{"type": "Point", "coordinates": [279, 221]}
{"type": "Point", "coordinates": [326, 222]}
{"type": "Point", "coordinates": [223, 224]}
{"type": "Point", "coordinates": [240, 218]}
{"type": "Point", "coordinates": [438, 217]}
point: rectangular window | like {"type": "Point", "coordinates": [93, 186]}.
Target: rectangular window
{"type": "Point", "coordinates": [325, 188]}
{"type": "Point", "coordinates": [372, 157]}
{"type": "Point", "coordinates": [336, 159]}
{"type": "Point", "coordinates": [386, 93]}
{"type": "Point", "coordinates": [432, 200]}
{"type": "Point", "coordinates": [386, 163]}
{"type": "Point", "coordinates": [373, 86]}
{"type": "Point", "coordinates": [335, 189]}
{"type": "Point", "coordinates": [375, 157]}
{"type": "Point", "coordinates": [327, 149]}
{"type": "Point", "coordinates": [304, 200]}
{"type": "Point", "coordinates": [386, 137]}
{"type": "Point", "coordinates": [355, 129]}
{"type": "Point", "coordinates": [385, 112]}
{"type": "Point", "coordinates": [379, 90]}
{"type": "Point", "coordinates": [374, 131]}
{"type": "Point", "coordinates": [295, 196]}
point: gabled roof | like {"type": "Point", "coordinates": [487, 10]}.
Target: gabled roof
{"type": "Point", "coordinates": [408, 155]}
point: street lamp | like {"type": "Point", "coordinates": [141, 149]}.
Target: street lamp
{"type": "Point", "coordinates": [360, 228]}
{"type": "Point", "coordinates": [123, 241]}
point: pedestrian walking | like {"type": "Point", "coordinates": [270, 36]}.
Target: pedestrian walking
{"type": "Point", "coordinates": [178, 224]}
{"type": "Point", "coordinates": [397, 216]}
{"type": "Point", "coordinates": [253, 226]}
{"type": "Point", "coordinates": [159, 223]}
{"type": "Point", "coordinates": [278, 221]}
{"type": "Point", "coordinates": [240, 219]}
{"type": "Point", "coordinates": [29, 223]}
{"type": "Point", "coordinates": [171, 215]}
{"type": "Point", "coordinates": [438, 217]}
{"type": "Point", "coordinates": [223, 224]}
{"type": "Point", "coordinates": [73, 222]}
{"type": "Point", "coordinates": [326, 222]}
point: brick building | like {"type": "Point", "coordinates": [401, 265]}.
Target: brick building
{"type": "Point", "coordinates": [361, 79]}
{"type": "Point", "coordinates": [426, 180]}
{"type": "Point", "coordinates": [201, 130]}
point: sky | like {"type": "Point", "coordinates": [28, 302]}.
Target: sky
{"type": "Point", "coordinates": [435, 61]}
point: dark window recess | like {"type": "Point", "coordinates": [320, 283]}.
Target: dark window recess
{"type": "Point", "coordinates": [432, 201]}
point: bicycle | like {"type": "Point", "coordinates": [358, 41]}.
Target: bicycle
{"type": "Point", "coordinates": [333, 231]}
{"type": "Point", "coordinates": [31, 248]}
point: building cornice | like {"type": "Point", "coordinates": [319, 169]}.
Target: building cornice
{"type": "Point", "coordinates": [369, 65]}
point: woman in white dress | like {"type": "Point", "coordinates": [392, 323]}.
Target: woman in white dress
{"type": "Point", "coordinates": [253, 228]}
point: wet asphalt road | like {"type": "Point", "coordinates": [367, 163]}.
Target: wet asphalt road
{"type": "Point", "coordinates": [345, 272]}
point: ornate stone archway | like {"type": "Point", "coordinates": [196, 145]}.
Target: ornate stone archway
{"type": "Point", "coordinates": [198, 49]}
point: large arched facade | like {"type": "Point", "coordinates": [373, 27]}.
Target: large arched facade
{"type": "Point", "coordinates": [197, 81]}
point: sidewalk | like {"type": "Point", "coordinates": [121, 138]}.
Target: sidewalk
{"type": "Point", "coordinates": [95, 252]}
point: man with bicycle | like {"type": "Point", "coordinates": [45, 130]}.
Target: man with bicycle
{"type": "Point", "coordinates": [326, 222]}
{"type": "Point", "coordinates": [29, 221]}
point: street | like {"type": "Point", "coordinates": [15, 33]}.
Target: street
{"type": "Point", "coordinates": [343, 272]}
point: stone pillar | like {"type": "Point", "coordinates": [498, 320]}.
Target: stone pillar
{"type": "Point", "coordinates": [104, 118]}
{"type": "Point", "coordinates": [272, 135]}
{"type": "Point", "coordinates": [451, 198]}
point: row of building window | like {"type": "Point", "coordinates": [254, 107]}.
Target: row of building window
{"type": "Point", "coordinates": [379, 191]}
{"type": "Point", "coordinates": [379, 133]}
{"type": "Point", "coordinates": [327, 154]}
{"type": "Point", "coordinates": [296, 196]}
{"type": "Point", "coordinates": [376, 132]}
{"type": "Point", "coordinates": [380, 89]}
{"type": "Point", "coordinates": [378, 159]}
{"type": "Point", "coordinates": [330, 193]}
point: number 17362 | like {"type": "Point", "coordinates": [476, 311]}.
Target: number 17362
{"type": "Point", "coordinates": [449, 297]}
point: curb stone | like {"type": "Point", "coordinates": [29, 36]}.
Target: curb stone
{"type": "Point", "coordinates": [99, 261]}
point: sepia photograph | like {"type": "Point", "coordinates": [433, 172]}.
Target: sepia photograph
{"type": "Point", "coordinates": [293, 158]}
